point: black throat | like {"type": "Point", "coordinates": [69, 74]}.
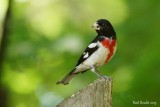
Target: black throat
{"type": "Point", "coordinates": [110, 33]}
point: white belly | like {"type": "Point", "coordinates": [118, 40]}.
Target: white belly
{"type": "Point", "coordinates": [98, 58]}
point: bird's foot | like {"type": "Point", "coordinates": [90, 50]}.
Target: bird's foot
{"type": "Point", "coordinates": [106, 77]}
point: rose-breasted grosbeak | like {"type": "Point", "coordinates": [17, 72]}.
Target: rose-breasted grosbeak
{"type": "Point", "coordinates": [98, 52]}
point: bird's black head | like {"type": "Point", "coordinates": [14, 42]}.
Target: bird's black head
{"type": "Point", "coordinates": [104, 27]}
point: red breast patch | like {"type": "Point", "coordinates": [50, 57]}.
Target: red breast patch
{"type": "Point", "coordinates": [109, 44]}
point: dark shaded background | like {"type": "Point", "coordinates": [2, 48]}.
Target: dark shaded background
{"type": "Point", "coordinates": [45, 39]}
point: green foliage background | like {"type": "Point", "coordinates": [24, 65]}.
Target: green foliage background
{"type": "Point", "coordinates": [47, 37]}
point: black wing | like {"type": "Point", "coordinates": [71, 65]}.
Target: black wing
{"type": "Point", "coordinates": [90, 51]}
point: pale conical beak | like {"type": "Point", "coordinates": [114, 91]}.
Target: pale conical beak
{"type": "Point", "coordinates": [96, 26]}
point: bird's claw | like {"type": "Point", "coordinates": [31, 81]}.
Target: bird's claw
{"type": "Point", "coordinates": [105, 77]}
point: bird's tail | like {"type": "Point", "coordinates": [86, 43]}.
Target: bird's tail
{"type": "Point", "coordinates": [67, 78]}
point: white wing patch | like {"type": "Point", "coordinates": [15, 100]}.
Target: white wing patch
{"type": "Point", "coordinates": [92, 45]}
{"type": "Point", "coordinates": [97, 59]}
{"type": "Point", "coordinates": [86, 55]}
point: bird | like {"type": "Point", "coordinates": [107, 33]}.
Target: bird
{"type": "Point", "coordinates": [99, 51]}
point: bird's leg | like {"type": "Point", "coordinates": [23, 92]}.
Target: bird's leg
{"type": "Point", "coordinates": [93, 69]}
{"type": "Point", "coordinates": [96, 71]}
{"type": "Point", "coordinates": [101, 76]}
